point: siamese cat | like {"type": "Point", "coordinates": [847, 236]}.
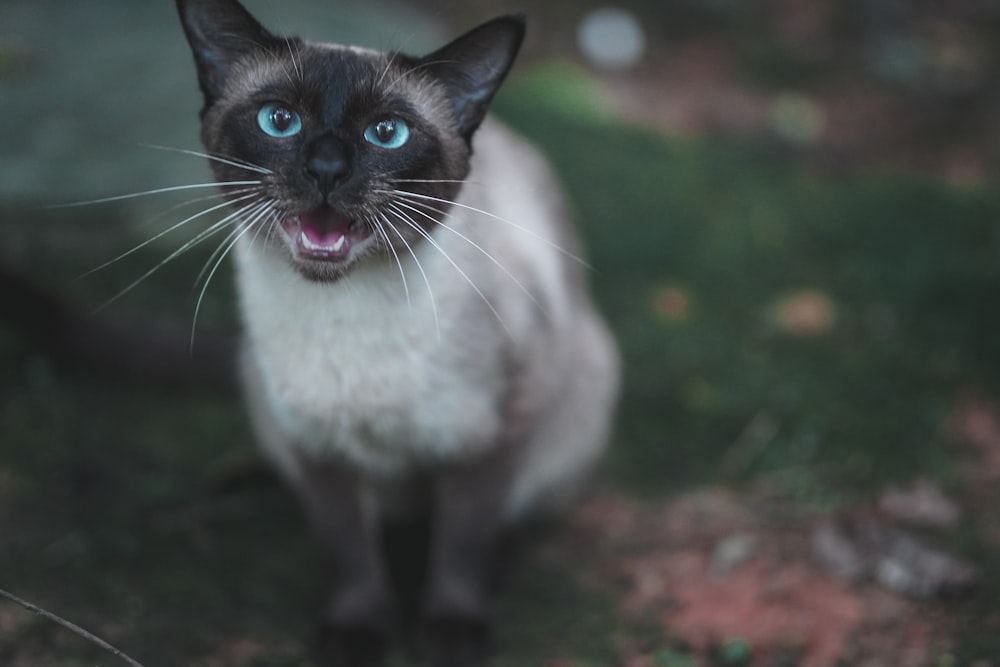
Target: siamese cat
{"type": "Point", "coordinates": [418, 333]}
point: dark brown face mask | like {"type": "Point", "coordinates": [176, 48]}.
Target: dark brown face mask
{"type": "Point", "coordinates": [336, 133]}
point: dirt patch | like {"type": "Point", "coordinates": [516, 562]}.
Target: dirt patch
{"type": "Point", "coordinates": [714, 566]}
{"type": "Point", "coordinates": [975, 426]}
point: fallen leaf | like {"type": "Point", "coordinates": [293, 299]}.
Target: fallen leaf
{"type": "Point", "coordinates": [806, 312]}
{"type": "Point", "coordinates": [671, 304]}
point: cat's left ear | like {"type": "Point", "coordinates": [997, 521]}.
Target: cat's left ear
{"type": "Point", "coordinates": [473, 66]}
{"type": "Point", "coordinates": [220, 32]}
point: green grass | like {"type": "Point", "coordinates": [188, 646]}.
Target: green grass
{"type": "Point", "coordinates": [106, 490]}
{"type": "Point", "coordinates": [909, 264]}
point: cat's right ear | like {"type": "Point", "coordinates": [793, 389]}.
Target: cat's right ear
{"type": "Point", "coordinates": [220, 32]}
{"type": "Point", "coordinates": [473, 66]}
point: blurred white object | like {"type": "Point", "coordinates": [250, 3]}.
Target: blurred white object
{"type": "Point", "coordinates": [798, 119]}
{"type": "Point", "coordinates": [611, 38]}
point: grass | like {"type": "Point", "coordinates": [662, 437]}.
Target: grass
{"type": "Point", "coordinates": [908, 265]}
{"type": "Point", "coordinates": [109, 500]}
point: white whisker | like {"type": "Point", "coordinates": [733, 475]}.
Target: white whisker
{"type": "Point", "coordinates": [394, 54]}
{"type": "Point", "coordinates": [555, 246]}
{"type": "Point", "coordinates": [420, 268]}
{"type": "Point", "coordinates": [460, 181]}
{"type": "Point", "coordinates": [388, 65]}
{"type": "Point", "coordinates": [157, 191]}
{"type": "Point", "coordinates": [236, 235]}
{"type": "Point", "coordinates": [226, 221]}
{"type": "Point", "coordinates": [195, 200]}
{"type": "Point", "coordinates": [164, 233]}
{"type": "Point", "coordinates": [420, 230]}
{"type": "Point", "coordinates": [273, 216]}
{"type": "Point", "coordinates": [384, 237]}
{"type": "Point", "coordinates": [250, 212]}
{"type": "Point", "coordinates": [295, 63]}
{"type": "Point", "coordinates": [478, 247]}
{"type": "Point", "coordinates": [414, 70]}
{"type": "Point", "coordinates": [233, 162]}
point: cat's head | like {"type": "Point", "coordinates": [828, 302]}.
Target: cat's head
{"type": "Point", "coordinates": [335, 134]}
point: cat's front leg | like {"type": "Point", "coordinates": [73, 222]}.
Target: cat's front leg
{"type": "Point", "coordinates": [468, 524]}
{"type": "Point", "coordinates": [359, 615]}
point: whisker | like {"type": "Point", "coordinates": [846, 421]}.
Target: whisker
{"type": "Point", "coordinates": [231, 161]}
{"type": "Point", "coordinates": [456, 181]}
{"type": "Point", "coordinates": [388, 65]}
{"type": "Point", "coordinates": [195, 200]}
{"type": "Point", "coordinates": [432, 180]}
{"type": "Point", "coordinates": [249, 212]}
{"type": "Point", "coordinates": [238, 234]}
{"type": "Point", "coordinates": [384, 237]}
{"type": "Point", "coordinates": [555, 246]}
{"type": "Point", "coordinates": [273, 228]}
{"type": "Point", "coordinates": [221, 224]}
{"type": "Point", "coordinates": [495, 187]}
{"type": "Point", "coordinates": [417, 68]}
{"type": "Point", "coordinates": [478, 247]}
{"type": "Point", "coordinates": [413, 224]}
{"type": "Point", "coordinates": [296, 65]}
{"type": "Point", "coordinates": [164, 233]}
{"type": "Point", "coordinates": [157, 191]}
{"type": "Point", "coordinates": [274, 215]}
{"type": "Point", "coordinates": [394, 54]}
{"type": "Point", "coordinates": [420, 268]}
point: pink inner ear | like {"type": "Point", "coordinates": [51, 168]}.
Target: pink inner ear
{"type": "Point", "coordinates": [324, 226]}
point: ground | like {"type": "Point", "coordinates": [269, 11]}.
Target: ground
{"type": "Point", "coordinates": [807, 454]}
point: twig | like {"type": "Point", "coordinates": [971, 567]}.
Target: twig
{"type": "Point", "coordinates": [69, 626]}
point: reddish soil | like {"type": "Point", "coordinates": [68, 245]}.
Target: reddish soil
{"type": "Point", "coordinates": [715, 566]}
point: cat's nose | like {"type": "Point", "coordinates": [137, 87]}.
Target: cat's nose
{"type": "Point", "coordinates": [328, 164]}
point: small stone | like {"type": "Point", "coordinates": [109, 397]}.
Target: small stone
{"type": "Point", "coordinates": [863, 545]}
{"type": "Point", "coordinates": [731, 552]}
{"type": "Point", "coordinates": [921, 503]}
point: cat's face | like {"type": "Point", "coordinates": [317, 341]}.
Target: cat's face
{"type": "Point", "coordinates": [356, 152]}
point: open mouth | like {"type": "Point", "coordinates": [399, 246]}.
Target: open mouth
{"type": "Point", "coordinates": [324, 234]}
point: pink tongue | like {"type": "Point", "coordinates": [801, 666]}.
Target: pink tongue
{"type": "Point", "coordinates": [324, 228]}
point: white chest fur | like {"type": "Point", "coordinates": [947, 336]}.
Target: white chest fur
{"type": "Point", "coordinates": [364, 367]}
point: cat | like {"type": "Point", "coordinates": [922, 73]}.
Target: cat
{"type": "Point", "coordinates": [416, 319]}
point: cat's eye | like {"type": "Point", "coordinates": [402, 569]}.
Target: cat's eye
{"type": "Point", "coordinates": [388, 133]}
{"type": "Point", "coordinates": [278, 120]}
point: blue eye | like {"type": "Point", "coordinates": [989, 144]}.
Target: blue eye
{"type": "Point", "coordinates": [388, 133]}
{"type": "Point", "coordinates": [278, 121]}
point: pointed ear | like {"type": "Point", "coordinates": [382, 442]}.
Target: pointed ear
{"type": "Point", "coordinates": [473, 66]}
{"type": "Point", "coordinates": [220, 33]}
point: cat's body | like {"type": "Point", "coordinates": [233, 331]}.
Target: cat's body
{"type": "Point", "coordinates": [396, 380]}
{"type": "Point", "coordinates": [402, 329]}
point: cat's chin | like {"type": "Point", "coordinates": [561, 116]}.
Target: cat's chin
{"type": "Point", "coordinates": [323, 242]}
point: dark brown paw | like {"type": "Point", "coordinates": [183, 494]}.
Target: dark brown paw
{"type": "Point", "coordinates": [351, 646]}
{"type": "Point", "coordinates": [456, 641]}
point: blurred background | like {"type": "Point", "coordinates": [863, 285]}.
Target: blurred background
{"type": "Point", "coordinates": [792, 212]}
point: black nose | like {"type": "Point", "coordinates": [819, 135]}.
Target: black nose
{"type": "Point", "coordinates": [328, 163]}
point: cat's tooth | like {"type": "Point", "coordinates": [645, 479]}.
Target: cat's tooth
{"type": "Point", "coordinates": [339, 244]}
{"type": "Point", "coordinates": [304, 239]}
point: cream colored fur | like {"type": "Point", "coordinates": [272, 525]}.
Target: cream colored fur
{"type": "Point", "coordinates": [390, 377]}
